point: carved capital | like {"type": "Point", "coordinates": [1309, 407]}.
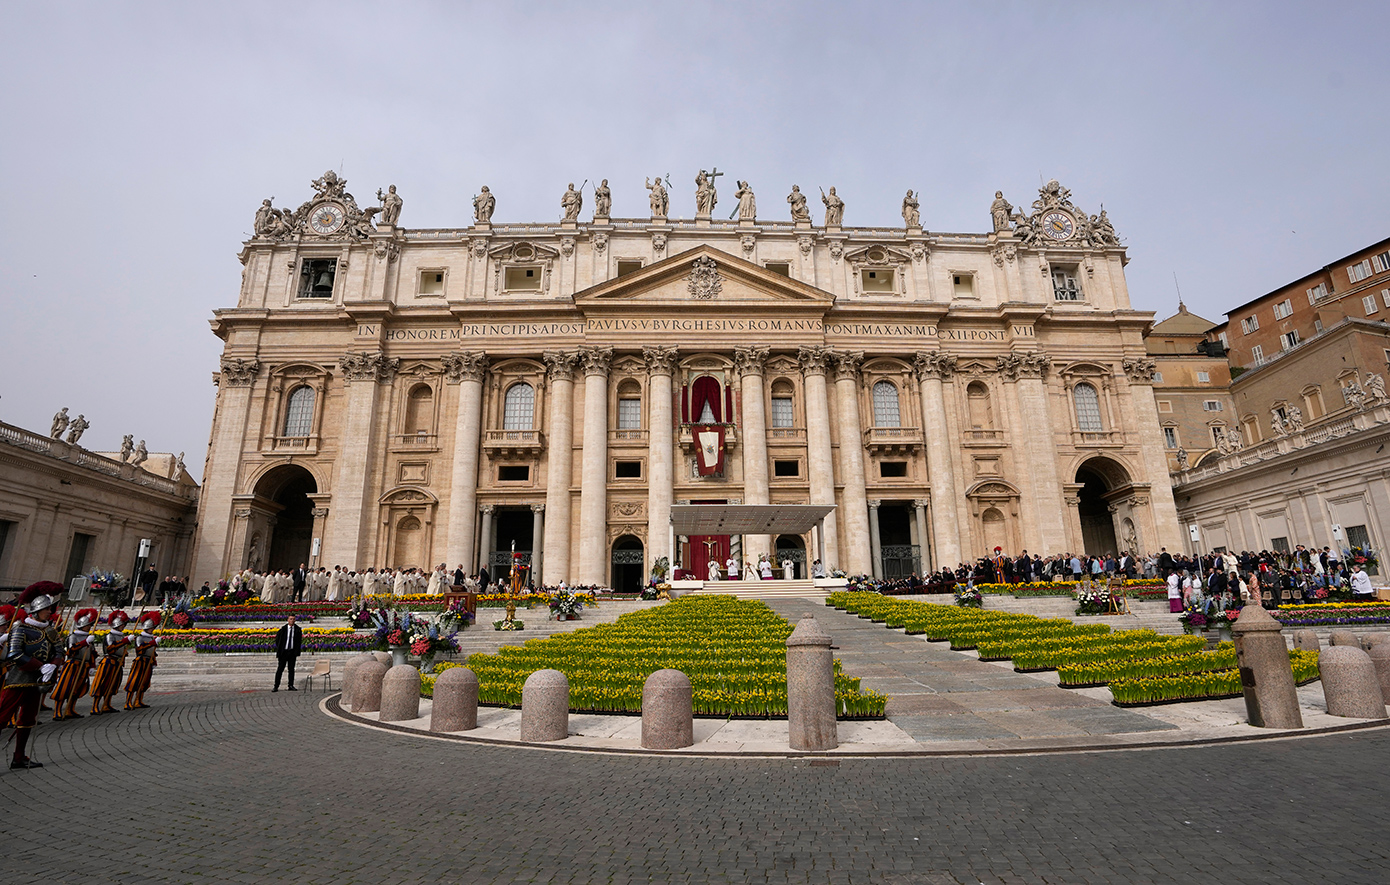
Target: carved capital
{"type": "Point", "coordinates": [934, 364]}
{"type": "Point", "coordinates": [1014, 366]}
{"type": "Point", "coordinates": [595, 360]}
{"type": "Point", "coordinates": [660, 360]}
{"type": "Point", "coordinates": [486, 508]}
{"type": "Point", "coordinates": [240, 373]}
{"type": "Point", "coordinates": [1003, 252]}
{"type": "Point", "coordinates": [813, 360]}
{"type": "Point", "coordinates": [750, 360]}
{"type": "Point", "coordinates": [465, 365]}
{"type": "Point", "coordinates": [537, 508]}
{"type": "Point", "coordinates": [368, 366]}
{"type": "Point", "coordinates": [847, 365]}
{"type": "Point", "coordinates": [320, 512]}
{"type": "Point", "coordinates": [1139, 370]}
{"type": "Point", "coordinates": [559, 364]}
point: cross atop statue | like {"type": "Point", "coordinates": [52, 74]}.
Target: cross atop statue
{"type": "Point", "coordinates": [713, 174]}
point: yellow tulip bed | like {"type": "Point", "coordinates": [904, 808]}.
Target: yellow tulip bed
{"type": "Point", "coordinates": [1133, 663]}
{"type": "Point", "coordinates": [733, 651]}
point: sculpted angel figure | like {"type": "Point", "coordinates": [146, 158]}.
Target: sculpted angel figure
{"type": "Point", "coordinates": [798, 203]}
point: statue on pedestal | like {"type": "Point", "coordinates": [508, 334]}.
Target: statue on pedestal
{"type": "Point", "coordinates": [266, 218]}
{"type": "Point", "coordinates": [911, 216]}
{"type": "Point", "coordinates": [798, 203]}
{"type": "Point", "coordinates": [747, 204]}
{"type": "Point", "coordinates": [706, 197]}
{"type": "Point", "coordinates": [141, 454]}
{"type": "Point", "coordinates": [179, 467]}
{"type": "Point", "coordinates": [390, 205]}
{"type": "Point", "coordinates": [1234, 437]}
{"type": "Point", "coordinates": [1294, 421]}
{"type": "Point", "coordinates": [77, 428]}
{"type": "Point", "coordinates": [60, 423]}
{"type": "Point", "coordinates": [127, 446]}
{"type": "Point", "coordinates": [571, 201]}
{"type": "Point", "coordinates": [483, 204]}
{"type": "Point", "coordinates": [603, 200]}
{"type": "Point", "coordinates": [834, 208]}
{"type": "Point", "coordinates": [1000, 210]}
{"type": "Point", "coordinates": [1375, 386]}
{"type": "Point", "coordinates": [1182, 459]}
{"type": "Point", "coordinates": [659, 198]}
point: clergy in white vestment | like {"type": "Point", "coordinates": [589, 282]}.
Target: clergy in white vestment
{"type": "Point", "coordinates": [788, 570]}
{"type": "Point", "coordinates": [398, 589]}
{"type": "Point", "coordinates": [731, 568]}
{"type": "Point", "coordinates": [334, 578]}
{"type": "Point", "coordinates": [765, 568]}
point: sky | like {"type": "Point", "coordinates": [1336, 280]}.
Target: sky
{"type": "Point", "coordinates": [1235, 146]}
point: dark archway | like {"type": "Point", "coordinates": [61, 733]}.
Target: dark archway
{"type": "Point", "coordinates": [289, 488]}
{"type": "Point", "coordinates": [627, 564]}
{"type": "Point", "coordinates": [793, 548]}
{"type": "Point", "coordinates": [1099, 477]}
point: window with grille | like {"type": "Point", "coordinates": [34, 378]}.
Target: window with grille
{"type": "Point", "coordinates": [1170, 437]}
{"type": "Point", "coordinates": [1064, 284]}
{"type": "Point", "coordinates": [886, 405]}
{"type": "Point", "coordinates": [1283, 309]}
{"type": "Point", "coordinates": [629, 414]}
{"type": "Point", "coordinates": [299, 415]}
{"type": "Point", "coordinates": [782, 411]}
{"type": "Point", "coordinates": [519, 407]}
{"type": "Point", "coordinates": [1087, 408]}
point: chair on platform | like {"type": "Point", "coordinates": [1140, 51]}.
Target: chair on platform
{"type": "Point", "coordinates": [322, 667]}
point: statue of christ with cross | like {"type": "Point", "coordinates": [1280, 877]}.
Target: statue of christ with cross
{"type": "Point", "coordinates": [705, 194]}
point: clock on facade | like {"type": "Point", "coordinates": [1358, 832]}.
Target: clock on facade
{"type": "Point", "coordinates": [1058, 225]}
{"type": "Point", "coordinates": [326, 219]}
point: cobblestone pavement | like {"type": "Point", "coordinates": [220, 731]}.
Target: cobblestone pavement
{"type": "Point", "coordinates": [260, 787]}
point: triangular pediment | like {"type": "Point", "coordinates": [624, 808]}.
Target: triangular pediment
{"type": "Point", "coordinates": [705, 278]}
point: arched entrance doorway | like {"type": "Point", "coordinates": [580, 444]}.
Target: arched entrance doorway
{"type": "Point", "coordinates": [627, 564]}
{"type": "Point", "coordinates": [1099, 478]}
{"type": "Point", "coordinates": [790, 547]}
{"type": "Point", "coordinates": [284, 492]}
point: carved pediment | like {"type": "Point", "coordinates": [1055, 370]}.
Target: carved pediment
{"type": "Point", "coordinates": [409, 495]}
{"type": "Point", "coordinates": [877, 255]}
{"type": "Point", "coordinates": [704, 277]}
{"type": "Point", "coordinates": [523, 252]}
{"type": "Point", "coordinates": [992, 488]}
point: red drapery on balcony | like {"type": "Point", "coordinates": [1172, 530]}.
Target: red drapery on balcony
{"type": "Point", "coordinates": [706, 390]}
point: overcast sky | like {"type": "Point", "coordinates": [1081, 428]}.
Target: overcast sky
{"type": "Point", "coordinates": [1238, 146]}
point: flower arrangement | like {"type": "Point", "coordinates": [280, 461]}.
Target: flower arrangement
{"type": "Point", "coordinates": [1093, 602]}
{"type": "Point", "coordinates": [423, 637]}
{"type": "Point", "coordinates": [107, 586]}
{"type": "Point", "coordinates": [505, 624]}
{"type": "Point", "coordinates": [660, 568]}
{"type": "Point", "coordinates": [567, 603]}
{"type": "Point", "coordinates": [969, 597]}
{"type": "Point", "coordinates": [1362, 556]}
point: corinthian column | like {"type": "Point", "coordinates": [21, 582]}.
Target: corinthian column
{"type": "Point", "coordinates": [465, 369]}
{"type": "Point", "coordinates": [213, 557]}
{"type": "Point", "coordinates": [361, 372]}
{"type": "Point", "coordinates": [661, 363]}
{"type": "Point", "coordinates": [749, 362]}
{"type": "Point", "coordinates": [856, 509]}
{"type": "Point", "coordinates": [555, 565]}
{"type": "Point", "coordinates": [932, 368]}
{"type": "Point", "coordinates": [1040, 486]}
{"type": "Point", "coordinates": [593, 477]}
{"type": "Point", "coordinates": [819, 452]}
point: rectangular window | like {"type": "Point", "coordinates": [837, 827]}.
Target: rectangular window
{"type": "Point", "coordinates": [1170, 437]}
{"type": "Point", "coordinates": [1359, 271]}
{"type": "Point", "coordinates": [782, 411]}
{"type": "Point", "coordinates": [1204, 377]}
{"type": "Point", "coordinates": [1385, 296]}
{"type": "Point", "coordinates": [1064, 284]}
{"type": "Point", "coordinates": [1381, 262]}
{"type": "Point", "coordinates": [1249, 324]}
{"type": "Point", "coordinates": [7, 531]}
{"type": "Point", "coordinates": [629, 414]}
{"type": "Point", "coordinates": [522, 279]}
{"type": "Point", "coordinates": [1369, 302]}
{"type": "Point", "coordinates": [513, 473]}
{"type": "Point", "coordinates": [431, 282]}
{"type": "Point", "coordinates": [1318, 291]}
{"type": "Point", "coordinates": [890, 469]}
{"type": "Point", "coordinates": [627, 266]}
{"type": "Point", "coordinates": [1288, 340]}
{"type": "Point", "coordinates": [1280, 545]}
{"type": "Point", "coordinates": [1317, 326]}
{"type": "Point", "coordinates": [1257, 353]}
{"type": "Point", "coordinates": [1221, 336]}
{"type": "Point", "coordinates": [1165, 405]}
{"type": "Point", "coordinates": [627, 469]}
{"type": "Point", "coordinates": [77, 556]}
{"type": "Point", "coordinates": [1212, 405]}
{"type": "Point", "coordinates": [963, 285]}
{"type": "Point", "coordinates": [316, 277]}
{"type": "Point", "coordinates": [779, 267]}
{"type": "Point", "coordinates": [786, 468]}
{"type": "Point", "coordinates": [1283, 309]}
{"type": "Point", "coordinates": [877, 280]}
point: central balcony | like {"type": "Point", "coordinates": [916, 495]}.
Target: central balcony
{"type": "Point", "coordinates": [893, 439]}
{"type": "Point", "coordinates": [513, 442]}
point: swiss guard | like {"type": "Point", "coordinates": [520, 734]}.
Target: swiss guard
{"type": "Point", "coordinates": [32, 646]}
{"type": "Point", "coordinates": [81, 658]}
{"type": "Point", "coordinates": [143, 668]}
{"type": "Point", "coordinates": [108, 677]}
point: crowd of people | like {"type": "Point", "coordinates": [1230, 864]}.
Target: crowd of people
{"type": "Point", "coordinates": [340, 584]}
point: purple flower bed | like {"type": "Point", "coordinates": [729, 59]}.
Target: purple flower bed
{"type": "Point", "coordinates": [311, 643]}
{"type": "Point", "coordinates": [242, 616]}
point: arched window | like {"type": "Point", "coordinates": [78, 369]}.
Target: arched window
{"type": "Point", "coordinates": [299, 412]}
{"type": "Point", "coordinates": [519, 407]}
{"type": "Point", "coordinates": [886, 405]}
{"type": "Point", "coordinates": [419, 411]}
{"type": "Point", "coordinates": [783, 411]}
{"type": "Point", "coordinates": [1087, 408]}
{"type": "Point", "coordinates": [981, 414]}
{"type": "Point", "coordinates": [706, 401]}
{"type": "Point", "coordinates": [629, 406]}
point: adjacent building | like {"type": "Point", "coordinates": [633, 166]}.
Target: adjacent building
{"type": "Point", "coordinates": [1191, 387]}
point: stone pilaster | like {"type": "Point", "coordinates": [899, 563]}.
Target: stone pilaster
{"type": "Point", "coordinates": [1167, 530]}
{"type": "Point", "coordinates": [559, 465]}
{"type": "Point", "coordinates": [661, 364]}
{"type": "Point", "coordinates": [819, 451]}
{"type": "Point", "coordinates": [1041, 487]}
{"type": "Point", "coordinates": [212, 558]}
{"type": "Point", "coordinates": [593, 479]}
{"type": "Point", "coordinates": [749, 363]}
{"type": "Point", "coordinates": [933, 368]}
{"type": "Point", "coordinates": [856, 513]}
{"type": "Point", "coordinates": [875, 542]}
{"type": "Point", "coordinates": [466, 369]}
{"type": "Point", "coordinates": [349, 523]}
{"type": "Point", "coordinates": [485, 541]}
{"type": "Point", "coordinates": [537, 533]}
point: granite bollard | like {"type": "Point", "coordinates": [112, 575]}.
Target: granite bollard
{"type": "Point", "coordinates": [366, 692]}
{"type": "Point", "coordinates": [350, 674]}
{"type": "Point", "coordinates": [400, 694]}
{"type": "Point", "coordinates": [1344, 637]}
{"type": "Point", "coordinates": [810, 688]}
{"type": "Point", "coordinates": [545, 707]}
{"type": "Point", "coordinates": [1379, 639]}
{"type": "Point", "coordinates": [668, 717]}
{"type": "Point", "coordinates": [1266, 677]}
{"type": "Point", "coordinates": [455, 706]}
{"type": "Point", "coordinates": [1349, 683]}
{"type": "Point", "coordinates": [383, 657]}
{"type": "Point", "coordinates": [1307, 640]}
{"type": "Point", "coordinates": [1380, 658]}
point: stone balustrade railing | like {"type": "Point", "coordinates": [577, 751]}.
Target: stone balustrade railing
{"type": "Point", "coordinates": [1324, 432]}
{"type": "Point", "coordinates": [87, 460]}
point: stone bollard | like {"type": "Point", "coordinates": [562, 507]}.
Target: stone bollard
{"type": "Point", "coordinates": [545, 707]}
{"type": "Point", "coordinates": [383, 657]}
{"type": "Point", "coordinates": [1379, 639]}
{"type": "Point", "coordinates": [400, 694]}
{"type": "Point", "coordinates": [668, 717]}
{"type": "Point", "coordinates": [366, 693]}
{"type": "Point", "coordinates": [455, 706]}
{"type": "Point", "coordinates": [1349, 683]}
{"type": "Point", "coordinates": [1380, 658]}
{"type": "Point", "coordinates": [350, 673]}
{"type": "Point", "coordinates": [1307, 640]}
{"type": "Point", "coordinates": [1344, 637]}
{"type": "Point", "coordinates": [1266, 676]}
{"type": "Point", "coordinates": [810, 688]}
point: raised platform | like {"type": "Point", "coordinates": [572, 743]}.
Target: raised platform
{"type": "Point", "coordinates": [806, 588]}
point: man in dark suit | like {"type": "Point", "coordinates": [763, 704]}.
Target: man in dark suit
{"type": "Point", "coordinates": [459, 575]}
{"type": "Point", "coordinates": [299, 580]}
{"type": "Point", "coordinates": [484, 580]}
{"type": "Point", "coordinates": [289, 642]}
